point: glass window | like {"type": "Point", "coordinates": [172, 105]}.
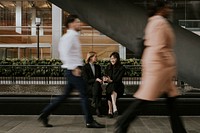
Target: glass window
{"type": "Point", "coordinates": [18, 27]}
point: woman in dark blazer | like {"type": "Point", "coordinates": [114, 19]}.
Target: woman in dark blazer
{"type": "Point", "coordinates": [92, 76]}
{"type": "Point", "coordinates": [115, 88]}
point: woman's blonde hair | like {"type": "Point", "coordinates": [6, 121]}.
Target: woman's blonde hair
{"type": "Point", "coordinates": [89, 56]}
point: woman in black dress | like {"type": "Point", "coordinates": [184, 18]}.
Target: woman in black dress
{"type": "Point", "coordinates": [115, 88]}
{"type": "Point", "coordinates": [92, 75]}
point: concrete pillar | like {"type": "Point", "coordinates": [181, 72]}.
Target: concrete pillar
{"type": "Point", "coordinates": [18, 17]}
{"type": "Point", "coordinates": [122, 52]}
{"type": "Point", "coordinates": [56, 29]}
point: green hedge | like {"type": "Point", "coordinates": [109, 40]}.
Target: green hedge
{"type": "Point", "coordinates": [132, 61]}
{"type": "Point", "coordinates": [41, 68]}
{"type": "Point", "coordinates": [30, 62]}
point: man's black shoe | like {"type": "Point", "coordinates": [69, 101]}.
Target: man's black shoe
{"type": "Point", "coordinates": [95, 124]}
{"type": "Point", "coordinates": [44, 119]}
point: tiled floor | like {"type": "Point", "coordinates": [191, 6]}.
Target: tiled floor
{"type": "Point", "coordinates": [75, 124]}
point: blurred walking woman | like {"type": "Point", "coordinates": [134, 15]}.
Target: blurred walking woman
{"type": "Point", "coordinates": [158, 67]}
{"type": "Point", "coordinates": [115, 88]}
{"type": "Point", "coordinates": [92, 76]}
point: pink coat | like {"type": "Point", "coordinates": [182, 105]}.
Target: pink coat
{"type": "Point", "coordinates": [158, 61]}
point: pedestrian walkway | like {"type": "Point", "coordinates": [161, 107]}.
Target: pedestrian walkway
{"type": "Point", "coordinates": [75, 124]}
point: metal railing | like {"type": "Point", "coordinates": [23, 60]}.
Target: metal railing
{"type": "Point", "coordinates": [31, 74]}
{"type": "Point", "coordinates": [54, 75]}
{"type": "Point", "coordinates": [192, 25]}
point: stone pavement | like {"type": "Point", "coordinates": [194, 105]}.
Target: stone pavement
{"type": "Point", "coordinates": [75, 124]}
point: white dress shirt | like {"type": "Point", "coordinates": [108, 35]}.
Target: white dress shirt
{"type": "Point", "coordinates": [93, 68]}
{"type": "Point", "coordinates": [70, 50]}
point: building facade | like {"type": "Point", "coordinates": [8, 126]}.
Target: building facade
{"type": "Point", "coordinates": [32, 29]}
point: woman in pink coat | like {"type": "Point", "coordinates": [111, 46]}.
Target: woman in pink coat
{"type": "Point", "coordinates": [158, 67]}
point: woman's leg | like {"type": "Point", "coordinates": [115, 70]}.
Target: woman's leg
{"type": "Point", "coordinates": [114, 102]}
{"type": "Point", "coordinates": [114, 99]}
{"type": "Point", "coordinates": [110, 107]}
{"type": "Point", "coordinates": [122, 124]}
{"type": "Point", "coordinates": [175, 120]}
{"type": "Point", "coordinates": [97, 94]}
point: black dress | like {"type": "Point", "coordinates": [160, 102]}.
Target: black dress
{"type": "Point", "coordinates": [116, 74]}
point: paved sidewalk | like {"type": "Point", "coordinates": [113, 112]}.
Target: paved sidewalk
{"type": "Point", "coordinates": [75, 124]}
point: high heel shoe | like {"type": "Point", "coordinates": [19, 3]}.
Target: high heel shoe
{"type": "Point", "coordinates": [115, 114]}
{"type": "Point", "coordinates": [110, 115]}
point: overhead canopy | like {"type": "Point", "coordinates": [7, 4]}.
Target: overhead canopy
{"type": "Point", "coordinates": [124, 22]}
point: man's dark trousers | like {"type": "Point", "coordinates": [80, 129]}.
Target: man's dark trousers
{"type": "Point", "coordinates": [73, 82]}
